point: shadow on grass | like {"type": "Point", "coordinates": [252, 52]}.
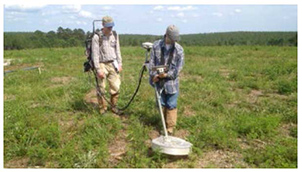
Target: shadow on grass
{"type": "Point", "coordinates": [159, 157]}
{"type": "Point", "coordinates": [147, 117]}
{"type": "Point", "coordinates": [80, 105]}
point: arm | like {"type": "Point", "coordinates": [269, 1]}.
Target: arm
{"type": "Point", "coordinates": [118, 51]}
{"type": "Point", "coordinates": [95, 52]}
{"type": "Point", "coordinates": [152, 63]}
{"type": "Point", "coordinates": [174, 72]}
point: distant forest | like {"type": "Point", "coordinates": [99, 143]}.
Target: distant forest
{"type": "Point", "coordinates": [72, 38]}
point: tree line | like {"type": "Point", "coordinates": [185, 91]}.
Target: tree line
{"type": "Point", "coordinates": [76, 37]}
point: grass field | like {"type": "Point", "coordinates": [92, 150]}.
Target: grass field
{"type": "Point", "coordinates": [237, 106]}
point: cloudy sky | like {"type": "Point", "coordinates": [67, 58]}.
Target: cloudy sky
{"type": "Point", "coordinates": [153, 19]}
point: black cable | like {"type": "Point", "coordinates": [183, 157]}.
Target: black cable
{"type": "Point", "coordinates": [134, 94]}
{"type": "Point", "coordinates": [98, 90]}
{"type": "Point", "coordinates": [137, 88]}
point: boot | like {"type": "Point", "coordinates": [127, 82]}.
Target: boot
{"type": "Point", "coordinates": [102, 105]}
{"type": "Point", "coordinates": [113, 100]}
{"type": "Point", "coordinates": [165, 113]}
{"type": "Point", "coordinates": [171, 118]}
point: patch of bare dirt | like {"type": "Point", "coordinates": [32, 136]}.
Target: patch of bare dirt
{"type": "Point", "coordinates": [171, 165]}
{"type": "Point", "coordinates": [17, 163]}
{"type": "Point", "coordinates": [258, 144]}
{"type": "Point", "coordinates": [62, 80]}
{"type": "Point", "coordinates": [183, 134]}
{"type": "Point", "coordinates": [243, 143]}
{"type": "Point", "coordinates": [221, 159]}
{"type": "Point", "coordinates": [253, 96]}
{"type": "Point", "coordinates": [34, 105]}
{"type": "Point", "coordinates": [278, 96]}
{"type": "Point", "coordinates": [118, 147]}
{"type": "Point", "coordinates": [154, 134]}
{"type": "Point", "coordinates": [256, 93]}
{"type": "Point", "coordinates": [224, 72]}
{"type": "Point", "coordinates": [188, 111]}
{"type": "Point", "coordinates": [90, 98]}
{"type": "Point", "coordinates": [66, 124]}
{"type": "Point", "coordinates": [9, 97]}
{"type": "Point", "coordinates": [284, 129]}
{"type": "Point", "coordinates": [233, 104]}
{"type": "Point", "coordinates": [52, 165]}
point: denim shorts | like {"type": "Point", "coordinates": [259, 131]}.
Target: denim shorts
{"type": "Point", "coordinates": [169, 100]}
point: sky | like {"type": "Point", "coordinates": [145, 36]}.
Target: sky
{"type": "Point", "coordinates": [152, 19]}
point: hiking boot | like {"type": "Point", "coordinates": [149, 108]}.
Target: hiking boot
{"type": "Point", "coordinates": [103, 111]}
{"type": "Point", "coordinates": [113, 100]}
{"type": "Point", "coordinates": [170, 133]}
{"type": "Point", "coordinates": [116, 111]}
{"type": "Point", "coordinates": [102, 105]}
{"type": "Point", "coordinates": [162, 132]}
{"type": "Point", "coordinates": [171, 118]}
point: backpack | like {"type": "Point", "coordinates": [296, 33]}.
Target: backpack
{"type": "Point", "coordinates": [89, 65]}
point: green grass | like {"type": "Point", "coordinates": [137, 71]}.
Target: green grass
{"type": "Point", "coordinates": [238, 99]}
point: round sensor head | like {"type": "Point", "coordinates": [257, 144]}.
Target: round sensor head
{"type": "Point", "coordinates": [171, 145]}
{"type": "Point", "coordinates": [147, 45]}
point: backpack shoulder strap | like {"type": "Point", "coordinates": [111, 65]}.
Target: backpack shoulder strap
{"type": "Point", "coordinates": [114, 34]}
{"type": "Point", "coordinates": [162, 59]}
{"type": "Point", "coordinates": [171, 55]}
{"type": "Point", "coordinates": [162, 49]}
{"type": "Point", "coordinates": [100, 38]}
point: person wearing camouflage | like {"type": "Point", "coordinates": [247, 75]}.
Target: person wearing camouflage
{"type": "Point", "coordinates": [107, 60]}
{"type": "Point", "coordinates": [168, 52]}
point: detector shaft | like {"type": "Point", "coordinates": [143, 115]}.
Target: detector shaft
{"type": "Point", "coordinates": [160, 110]}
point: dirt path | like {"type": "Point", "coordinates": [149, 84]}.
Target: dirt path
{"type": "Point", "coordinates": [118, 146]}
{"type": "Point", "coordinates": [90, 98]}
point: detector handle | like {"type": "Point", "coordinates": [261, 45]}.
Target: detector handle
{"type": "Point", "coordinates": [160, 69]}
